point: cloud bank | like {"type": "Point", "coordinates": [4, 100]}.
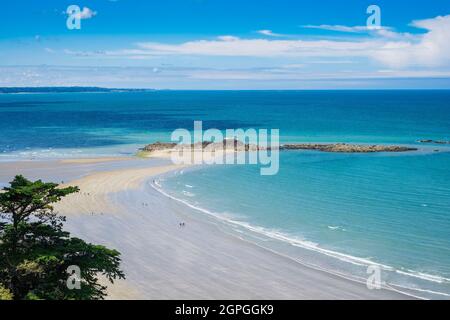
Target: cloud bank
{"type": "Point", "coordinates": [384, 46]}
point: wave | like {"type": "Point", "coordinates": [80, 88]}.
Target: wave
{"type": "Point", "coordinates": [424, 276]}
{"type": "Point", "coordinates": [66, 153]}
{"type": "Point", "coordinates": [188, 194]}
{"type": "Point", "coordinates": [336, 228]}
{"type": "Point", "coordinates": [312, 246]}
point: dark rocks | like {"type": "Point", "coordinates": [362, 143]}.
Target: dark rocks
{"type": "Point", "coordinates": [230, 145]}
{"type": "Point", "coordinates": [225, 145]}
{"type": "Point", "coordinates": [348, 148]}
{"type": "Point", "coordinates": [425, 141]}
{"type": "Point", "coordinates": [434, 141]}
{"type": "Point", "coordinates": [158, 146]}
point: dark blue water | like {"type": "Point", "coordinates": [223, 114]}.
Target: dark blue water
{"type": "Point", "coordinates": [42, 121]}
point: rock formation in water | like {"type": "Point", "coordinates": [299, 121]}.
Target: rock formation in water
{"type": "Point", "coordinates": [158, 146]}
{"type": "Point", "coordinates": [434, 141]}
{"type": "Point", "coordinates": [225, 145]}
{"type": "Point", "coordinates": [346, 148]}
{"type": "Point", "coordinates": [229, 145]}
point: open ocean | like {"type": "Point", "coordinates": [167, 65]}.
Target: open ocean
{"type": "Point", "coordinates": [340, 212]}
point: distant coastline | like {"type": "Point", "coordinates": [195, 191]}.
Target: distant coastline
{"type": "Point", "coordinates": [66, 90]}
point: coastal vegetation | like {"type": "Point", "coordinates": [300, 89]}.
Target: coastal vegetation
{"type": "Point", "coordinates": [38, 259]}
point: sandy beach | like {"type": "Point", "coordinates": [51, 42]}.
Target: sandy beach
{"type": "Point", "coordinates": [117, 207]}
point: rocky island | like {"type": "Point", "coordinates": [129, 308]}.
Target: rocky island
{"type": "Point", "coordinates": [238, 146]}
{"type": "Point", "coordinates": [225, 145]}
{"type": "Point", "coordinates": [433, 141]}
{"type": "Point", "coordinates": [346, 148]}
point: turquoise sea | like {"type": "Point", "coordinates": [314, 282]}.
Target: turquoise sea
{"type": "Point", "coordinates": [340, 212]}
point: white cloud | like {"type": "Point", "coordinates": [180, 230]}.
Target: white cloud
{"type": "Point", "coordinates": [86, 13]}
{"type": "Point", "coordinates": [400, 55]}
{"type": "Point", "coordinates": [228, 38]}
{"type": "Point", "coordinates": [392, 49]}
{"type": "Point", "coordinates": [332, 61]}
{"type": "Point", "coordinates": [293, 66]}
{"type": "Point", "coordinates": [431, 49]}
{"type": "Point", "coordinates": [269, 33]}
{"type": "Point", "coordinates": [233, 46]}
{"type": "Point", "coordinates": [385, 32]}
{"type": "Point", "coordinates": [200, 78]}
{"type": "Point", "coordinates": [290, 74]}
{"type": "Point", "coordinates": [339, 28]}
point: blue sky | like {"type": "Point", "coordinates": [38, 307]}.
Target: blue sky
{"type": "Point", "coordinates": [226, 44]}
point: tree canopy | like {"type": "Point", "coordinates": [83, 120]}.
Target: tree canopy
{"type": "Point", "coordinates": [36, 254]}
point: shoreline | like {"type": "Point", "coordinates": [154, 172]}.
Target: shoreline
{"type": "Point", "coordinates": [119, 211]}
{"type": "Point", "coordinates": [277, 241]}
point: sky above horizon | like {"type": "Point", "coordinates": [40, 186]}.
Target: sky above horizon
{"type": "Point", "coordinates": [218, 44]}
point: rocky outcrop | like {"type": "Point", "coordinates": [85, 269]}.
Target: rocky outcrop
{"type": "Point", "coordinates": [348, 148]}
{"type": "Point", "coordinates": [434, 141]}
{"type": "Point", "coordinates": [225, 145]}
{"type": "Point", "coordinates": [235, 145]}
{"type": "Point", "coordinates": [159, 146]}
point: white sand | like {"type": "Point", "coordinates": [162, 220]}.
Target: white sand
{"type": "Point", "coordinates": [95, 188]}
{"type": "Point", "coordinates": [94, 160]}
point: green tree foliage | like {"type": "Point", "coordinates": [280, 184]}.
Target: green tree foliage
{"type": "Point", "coordinates": [35, 251]}
{"type": "Point", "coordinates": [5, 294]}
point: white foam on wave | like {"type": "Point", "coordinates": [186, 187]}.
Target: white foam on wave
{"type": "Point", "coordinates": [298, 242]}
{"type": "Point", "coordinates": [67, 153]}
{"type": "Point", "coordinates": [309, 245]}
{"type": "Point", "coordinates": [188, 194]}
{"type": "Point", "coordinates": [336, 228]}
{"type": "Point", "coordinates": [424, 276]}
{"type": "Point", "coordinates": [49, 153]}
{"type": "Point", "coordinates": [157, 183]}
{"type": "Point", "coordinates": [422, 290]}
